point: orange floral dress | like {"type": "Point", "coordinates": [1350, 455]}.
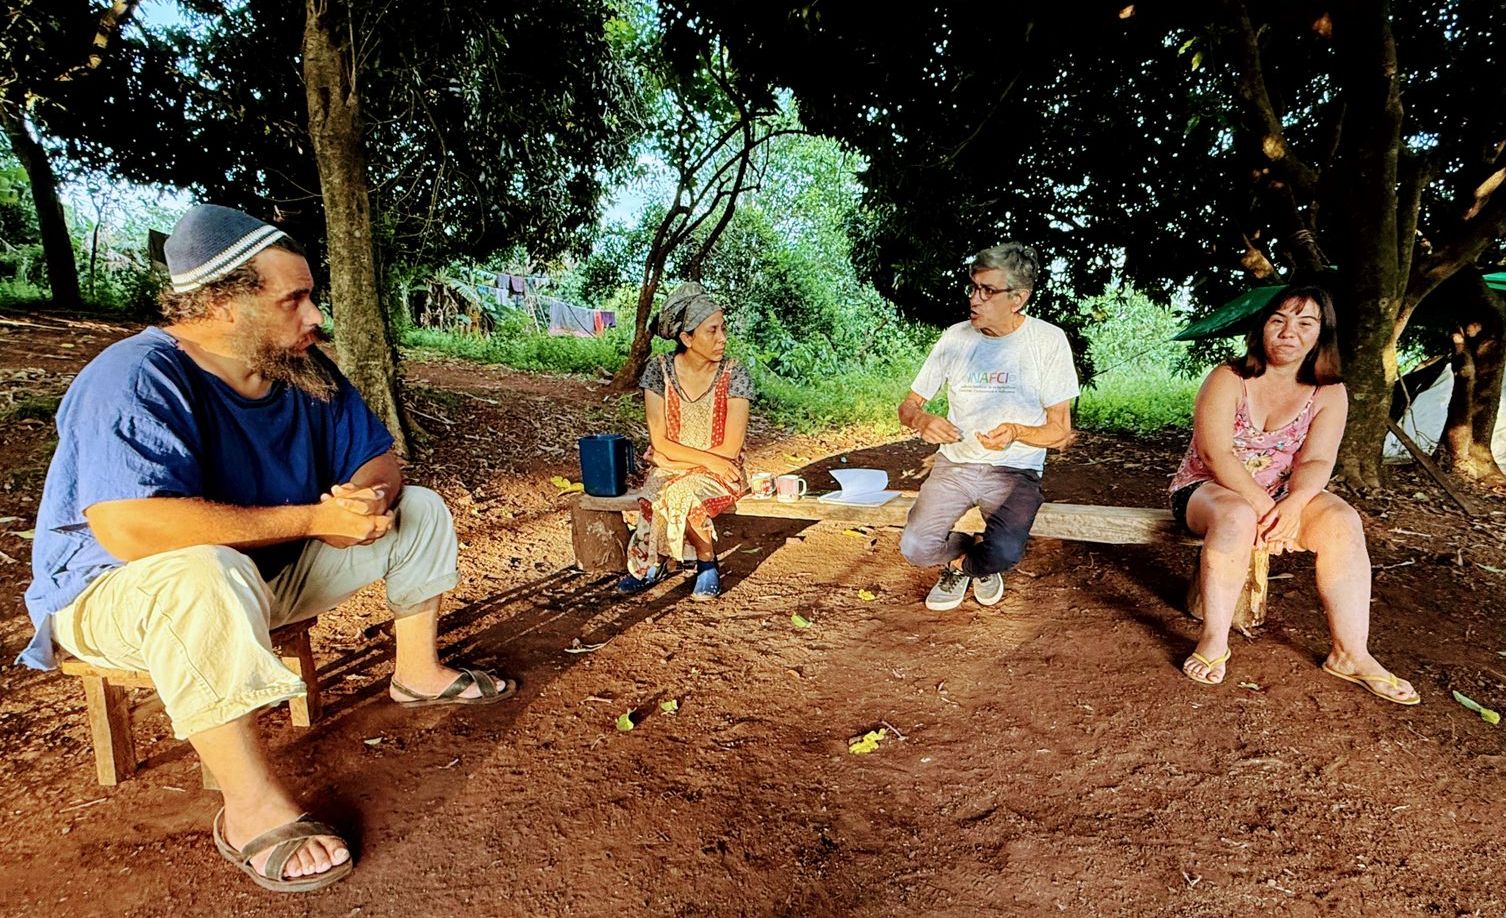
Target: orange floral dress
{"type": "Point", "coordinates": [676, 499]}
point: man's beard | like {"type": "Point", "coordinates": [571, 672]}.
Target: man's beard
{"type": "Point", "coordinates": [299, 369]}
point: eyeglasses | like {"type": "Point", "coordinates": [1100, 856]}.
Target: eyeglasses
{"type": "Point", "coordinates": [984, 292]}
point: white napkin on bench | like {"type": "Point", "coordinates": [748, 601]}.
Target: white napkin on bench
{"type": "Point", "coordinates": [860, 488]}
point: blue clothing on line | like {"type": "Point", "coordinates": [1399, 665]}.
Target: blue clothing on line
{"type": "Point", "coordinates": [143, 420]}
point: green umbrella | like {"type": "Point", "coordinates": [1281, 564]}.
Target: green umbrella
{"type": "Point", "coordinates": [1496, 281]}
{"type": "Point", "coordinates": [1227, 319]}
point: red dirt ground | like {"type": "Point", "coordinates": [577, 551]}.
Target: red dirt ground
{"type": "Point", "coordinates": [1046, 755]}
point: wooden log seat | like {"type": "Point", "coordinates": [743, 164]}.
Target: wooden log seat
{"type": "Point", "coordinates": [601, 536]}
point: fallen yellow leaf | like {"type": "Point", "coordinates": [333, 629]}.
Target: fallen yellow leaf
{"type": "Point", "coordinates": [866, 596]}
{"type": "Point", "coordinates": [565, 485]}
{"type": "Point", "coordinates": [867, 743]}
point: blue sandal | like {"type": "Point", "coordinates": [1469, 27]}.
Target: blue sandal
{"type": "Point", "coordinates": [629, 585]}
{"type": "Point", "coordinates": [708, 581]}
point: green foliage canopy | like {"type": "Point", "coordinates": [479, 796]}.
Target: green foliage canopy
{"type": "Point", "coordinates": [486, 124]}
{"type": "Point", "coordinates": [1108, 134]}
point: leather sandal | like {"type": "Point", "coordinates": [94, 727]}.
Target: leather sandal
{"type": "Point", "coordinates": [492, 690]}
{"type": "Point", "coordinates": [285, 841]}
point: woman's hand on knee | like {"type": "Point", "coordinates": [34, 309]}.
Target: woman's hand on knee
{"type": "Point", "coordinates": [1278, 528]}
{"type": "Point", "coordinates": [1330, 523]}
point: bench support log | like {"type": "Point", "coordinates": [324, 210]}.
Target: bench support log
{"type": "Point", "coordinates": [600, 538]}
{"type": "Point", "coordinates": [1249, 611]}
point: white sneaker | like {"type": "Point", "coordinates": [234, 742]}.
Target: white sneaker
{"type": "Point", "coordinates": [949, 591]}
{"type": "Point", "coordinates": [988, 590]}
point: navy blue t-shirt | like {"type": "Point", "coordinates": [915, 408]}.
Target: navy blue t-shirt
{"type": "Point", "coordinates": [144, 420]}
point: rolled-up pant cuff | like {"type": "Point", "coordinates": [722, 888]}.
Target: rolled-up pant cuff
{"type": "Point", "coordinates": [402, 608]}
{"type": "Point", "coordinates": [232, 709]}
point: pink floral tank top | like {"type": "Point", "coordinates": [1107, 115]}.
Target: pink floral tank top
{"type": "Point", "coordinates": [1267, 454]}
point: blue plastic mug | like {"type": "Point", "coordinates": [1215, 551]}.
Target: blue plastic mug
{"type": "Point", "coordinates": [605, 460]}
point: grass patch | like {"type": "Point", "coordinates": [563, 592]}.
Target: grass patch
{"type": "Point", "coordinates": [1141, 397]}
{"type": "Point", "coordinates": [1136, 402]}
{"type": "Point", "coordinates": [863, 397]}
{"type": "Point", "coordinates": [526, 351]}
{"type": "Point", "coordinates": [19, 295]}
{"type": "Point", "coordinates": [35, 408]}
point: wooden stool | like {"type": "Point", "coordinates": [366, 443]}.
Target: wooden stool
{"type": "Point", "coordinates": [110, 711]}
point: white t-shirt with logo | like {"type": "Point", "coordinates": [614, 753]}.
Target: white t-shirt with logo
{"type": "Point", "coordinates": [990, 381]}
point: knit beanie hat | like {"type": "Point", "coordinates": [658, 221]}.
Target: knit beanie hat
{"type": "Point", "coordinates": [210, 241]}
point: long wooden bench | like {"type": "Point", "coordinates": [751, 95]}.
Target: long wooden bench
{"type": "Point", "coordinates": [600, 534]}
{"type": "Point", "coordinates": [109, 709]}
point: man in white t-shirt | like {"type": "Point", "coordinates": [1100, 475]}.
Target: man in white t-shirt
{"type": "Point", "coordinates": [1010, 383]}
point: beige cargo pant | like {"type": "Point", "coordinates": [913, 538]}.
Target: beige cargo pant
{"type": "Point", "coordinates": [198, 619]}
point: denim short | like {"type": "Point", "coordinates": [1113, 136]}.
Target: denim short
{"type": "Point", "coordinates": [1179, 500]}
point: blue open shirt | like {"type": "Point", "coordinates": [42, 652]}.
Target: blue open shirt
{"type": "Point", "coordinates": [144, 420]}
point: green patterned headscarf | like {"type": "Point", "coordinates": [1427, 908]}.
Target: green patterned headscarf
{"type": "Point", "coordinates": [684, 309]}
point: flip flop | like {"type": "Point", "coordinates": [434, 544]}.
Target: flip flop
{"type": "Point", "coordinates": [1220, 660]}
{"type": "Point", "coordinates": [1371, 684]}
{"type": "Point", "coordinates": [285, 841]}
{"type": "Point", "coordinates": [492, 690]}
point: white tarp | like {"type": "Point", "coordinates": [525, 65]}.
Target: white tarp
{"type": "Point", "coordinates": [1423, 421]}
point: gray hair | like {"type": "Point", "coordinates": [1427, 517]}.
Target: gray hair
{"type": "Point", "coordinates": [1017, 260]}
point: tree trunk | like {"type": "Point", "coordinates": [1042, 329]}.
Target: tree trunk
{"type": "Point", "coordinates": [679, 223]}
{"type": "Point", "coordinates": [1369, 376]}
{"type": "Point", "coordinates": [1458, 426]}
{"type": "Point", "coordinates": [57, 245]}
{"type": "Point", "coordinates": [1477, 361]}
{"type": "Point", "coordinates": [363, 339]}
{"type": "Point", "coordinates": [1366, 230]}
{"type": "Point", "coordinates": [627, 376]}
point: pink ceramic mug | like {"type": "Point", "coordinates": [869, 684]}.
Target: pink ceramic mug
{"type": "Point", "coordinates": [789, 488]}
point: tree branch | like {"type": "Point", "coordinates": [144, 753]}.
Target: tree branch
{"type": "Point", "coordinates": [1298, 240]}
{"type": "Point", "coordinates": [1259, 113]}
{"type": "Point", "coordinates": [694, 266]}
{"type": "Point", "coordinates": [1460, 247]}
{"type": "Point", "coordinates": [1416, 174]}
{"type": "Point", "coordinates": [110, 22]}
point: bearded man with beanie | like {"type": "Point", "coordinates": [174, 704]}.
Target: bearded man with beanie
{"type": "Point", "coordinates": [216, 478]}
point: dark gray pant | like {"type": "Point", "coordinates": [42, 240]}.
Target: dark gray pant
{"type": "Point", "coordinates": [1008, 499]}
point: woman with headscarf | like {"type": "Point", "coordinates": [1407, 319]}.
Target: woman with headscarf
{"type": "Point", "coordinates": [696, 403]}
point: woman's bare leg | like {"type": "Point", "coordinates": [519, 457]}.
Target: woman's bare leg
{"type": "Point", "coordinates": [1226, 522]}
{"type": "Point", "coordinates": [1331, 529]}
{"type": "Point", "coordinates": [700, 539]}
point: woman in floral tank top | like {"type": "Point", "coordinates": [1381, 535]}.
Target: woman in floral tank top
{"type": "Point", "coordinates": [696, 403]}
{"type": "Point", "coordinates": [1265, 434]}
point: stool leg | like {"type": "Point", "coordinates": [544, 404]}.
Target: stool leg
{"type": "Point", "coordinates": [206, 777]}
{"type": "Point", "coordinates": [1257, 590]}
{"type": "Point", "coordinates": [305, 710]}
{"type": "Point", "coordinates": [1249, 611]}
{"type": "Point", "coordinates": [110, 730]}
